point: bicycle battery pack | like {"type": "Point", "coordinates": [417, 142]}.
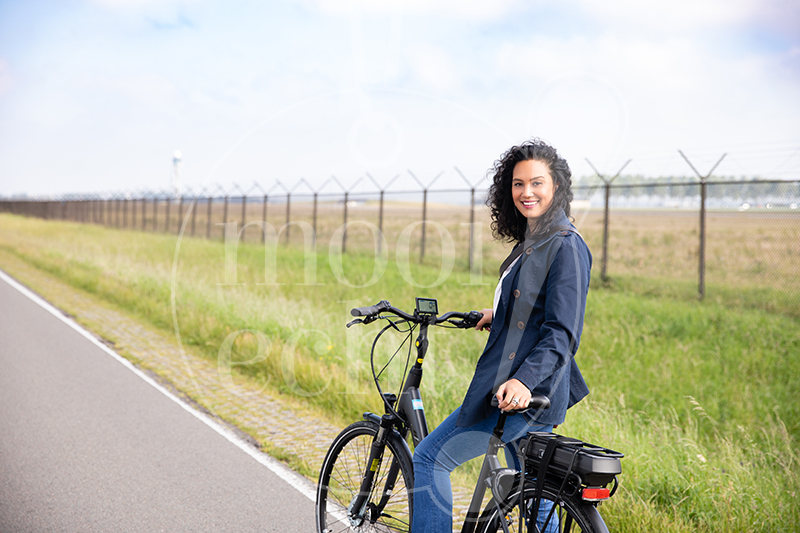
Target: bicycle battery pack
{"type": "Point", "coordinates": [596, 466]}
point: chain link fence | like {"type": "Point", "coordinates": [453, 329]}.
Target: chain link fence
{"type": "Point", "coordinates": [735, 239]}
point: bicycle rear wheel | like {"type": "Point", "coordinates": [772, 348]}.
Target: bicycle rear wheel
{"type": "Point", "coordinates": [388, 507]}
{"type": "Point", "coordinates": [569, 514]}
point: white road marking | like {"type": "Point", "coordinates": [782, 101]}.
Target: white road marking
{"type": "Point", "coordinates": [295, 480]}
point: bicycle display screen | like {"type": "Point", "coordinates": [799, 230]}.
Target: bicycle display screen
{"type": "Point", "coordinates": [427, 306]}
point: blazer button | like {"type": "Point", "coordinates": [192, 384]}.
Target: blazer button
{"type": "Point", "coordinates": [516, 293]}
{"type": "Point", "coordinates": [521, 325]}
{"type": "Point", "coordinates": [512, 355]}
{"type": "Point", "coordinates": [529, 251]}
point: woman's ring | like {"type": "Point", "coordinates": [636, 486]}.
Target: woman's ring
{"type": "Point", "coordinates": [515, 401]}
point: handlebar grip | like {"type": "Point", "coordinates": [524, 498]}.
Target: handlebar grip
{"type": "Point", "coordinates": [371, 310]}
{"type": "Point", "coordinates": [472, 319]}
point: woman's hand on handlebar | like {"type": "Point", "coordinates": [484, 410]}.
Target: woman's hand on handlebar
{"type": "Point", "coordinates": [511, 390]}
{"type": "Point", "coordinates": [486, 321]}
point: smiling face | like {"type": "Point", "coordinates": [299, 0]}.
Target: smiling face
{"type": "Point", "coordinates": [532, 188]}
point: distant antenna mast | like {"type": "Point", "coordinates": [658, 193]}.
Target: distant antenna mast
{"type": "Point", "coordinates": [177, 157]}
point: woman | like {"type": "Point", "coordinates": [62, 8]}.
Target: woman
{"type": "Point", "coordinates": [535, 326]}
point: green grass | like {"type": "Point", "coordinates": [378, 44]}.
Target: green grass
{"type": "Point", "coordinates": [700, 396]}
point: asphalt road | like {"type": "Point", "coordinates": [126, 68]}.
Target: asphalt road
{"type": "Point", "coordinates": [88, 445]}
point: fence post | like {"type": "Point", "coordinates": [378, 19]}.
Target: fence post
{"type": "Point", "coordinates": [471, 227]}
{"type": "Point", "coordinates": [604, 271]}
{"type": "Point", "coordinates": [155, 213]}
{"type": "Point", "coordinates": [180, 214]}
{"type": "Point", "coordinates": [208, 219]}
{"type": "Point", "coordinates": [380, 222]}
{"type": "Point", "coordinates": [133, 213]}
{"type": "Point", "coordinates": [425, 207]}
{"type": "Point", "coordinates": [344, 233]}
{"type": "Point", "coordinates": [288, 214]}
{"type": "Point", "coordinates": [144, 212]}
{"type": "Point", "coordinates": [125, 213]}
{"type": "Point", "coordinates": [225, 216]}
{"type": "Point", "coordinates": [244, 214]}
{"type": "Point", "coordinates": [264, 216]}
{"type": "Point", "coordinates": [314, 219]}
{"type": "Point", "coordinates": [701, 285]}
{"type": "Point", "coordinates": [166, 216]}
{"type": "Point", "coordinates": [607, 187]}
{"type": "Point", "coordinates": [701, 289]}
{"type": "Point", "coordinates": [193, 207]}
{"type": "Point", "coordinates": [424, 214]}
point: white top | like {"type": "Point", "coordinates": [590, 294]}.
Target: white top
{"type": "Point", "coordinates": [498, 291]}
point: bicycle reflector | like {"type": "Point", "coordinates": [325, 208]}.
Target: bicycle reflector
{"type": "Point", "coordinates": [593, 494]}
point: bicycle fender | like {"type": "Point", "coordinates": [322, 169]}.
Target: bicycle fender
{"type": "Point", "coordinates": [594, 517]}
{"type": "Point", "coordinates": [372, 417]}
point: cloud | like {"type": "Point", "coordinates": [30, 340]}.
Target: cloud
{"type": "Point", "coordinates": [180, 21]}
{"type": "Point", "coordinates": [459, 9]}
{"type": "Point", "coordinates": [432, 67]}
{"type": "Point", "coordinates": [152, 90]}
{"type": "Point", "coordinates": [670, 16]}
{"type": "Point", "coordinates": [5, 77]}
{"type": "Point", "coordinates": [127, 4]}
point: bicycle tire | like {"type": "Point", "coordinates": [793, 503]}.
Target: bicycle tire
{"type": "Point", "coordinates": [573, 515]}
{"type": "Point", "coordinates": [340, 480]}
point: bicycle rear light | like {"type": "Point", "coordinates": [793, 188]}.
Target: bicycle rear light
{"type": "Point", "coordinates": [594, 494]}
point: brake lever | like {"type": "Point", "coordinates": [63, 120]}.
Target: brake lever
{"type": "Point", "coordinates": [365, 320]}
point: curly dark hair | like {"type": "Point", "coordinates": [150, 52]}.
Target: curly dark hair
{"type": "Point", "coordinates": [507, 223]}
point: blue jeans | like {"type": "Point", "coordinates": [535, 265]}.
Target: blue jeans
{"type": "Point", "coordinates": [446, 448]}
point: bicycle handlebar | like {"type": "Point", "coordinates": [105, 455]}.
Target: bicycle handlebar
{"type": "Point", "coordinates": [466, 320]}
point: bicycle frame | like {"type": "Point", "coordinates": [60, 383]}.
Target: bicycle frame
{"type": "Point", "coordinates": [413, 419]}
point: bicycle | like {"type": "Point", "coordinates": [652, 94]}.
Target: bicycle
{"type": "Point", "coordinates": [367, 476]}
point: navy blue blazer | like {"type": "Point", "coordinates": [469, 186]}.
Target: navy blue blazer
{"type": "Point", "coordinates": [536, 330]}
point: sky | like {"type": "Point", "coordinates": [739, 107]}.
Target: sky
{"type": "Point", "coordinates": [97, 95]}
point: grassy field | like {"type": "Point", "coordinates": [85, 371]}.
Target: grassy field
{"type": "Point", "coordinates": [701, 396]}
{"type": "Point", "coordinates": [751, 257]}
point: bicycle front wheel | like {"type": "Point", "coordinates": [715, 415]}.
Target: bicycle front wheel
{"type": "Point", "coordinates": [556, 514]}
{"type": "Point", "coordinates": [388, 507]}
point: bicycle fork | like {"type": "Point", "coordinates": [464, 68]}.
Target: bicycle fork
{"type": "Point", "coordinates": [359, 507]}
